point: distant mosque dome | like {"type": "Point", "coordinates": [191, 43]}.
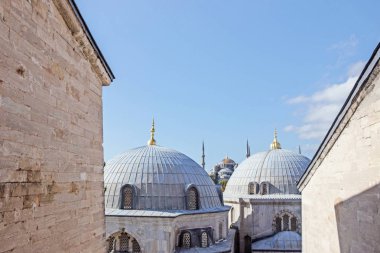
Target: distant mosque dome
{"type": "Point", "coordinates": [228, 160]}
{"type": "Point", "coordinates": [158, 178]}
{"type": "Point", "coordinates": [276, 171]}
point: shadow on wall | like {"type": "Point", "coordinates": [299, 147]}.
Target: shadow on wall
{"type": "Point", "coordinates": [358, 222]}
{"type": "Point", "coordinates": [243, 227]}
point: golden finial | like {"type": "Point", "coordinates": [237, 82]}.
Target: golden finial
{"type": "Point", "coordinates": [275, 144]}
{"type": "Point", "coordinates": [152, 141]}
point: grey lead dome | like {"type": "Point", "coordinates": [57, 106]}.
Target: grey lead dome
{"type": "Point", "coordinates": [160, 176]}
{"type": "Point", "coordinates": [280, 168]}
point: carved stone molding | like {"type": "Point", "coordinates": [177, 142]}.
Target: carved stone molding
{"type": "Point", "coordinates": [87, 48]}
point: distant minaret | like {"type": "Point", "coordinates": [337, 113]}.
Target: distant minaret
{"type": "Point", "coordinates": [203, 155]}
{"type": "Point", "coordinates": [299, 149]}
{"type": "Point", "coordinates": [248, 150]}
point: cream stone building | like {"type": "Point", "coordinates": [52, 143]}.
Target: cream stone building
{"type": "Point", "coordinates": [51, 154]}
{"type": "Point", "coordinates": [341, 187]}
{"type": "Point", "coordinates": [158, 200]}
{"type": "Point", "coordinates": [265, 202]}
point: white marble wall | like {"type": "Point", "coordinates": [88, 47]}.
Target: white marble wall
{"type": "Point", "coordinates": [160, 235]}
{"type": "Point", "coordinates": [341, 203]}
{"type": "Point", "coordinates": [255, 217]}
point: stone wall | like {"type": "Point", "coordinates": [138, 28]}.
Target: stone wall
{"type": "Point", "coordinates": [51, 155]}
{"type": "Point", "coordinates": [254, 218]}
{"type": "Point", "coordinates": [264, 214]}
{"type": "Point", "coordinates": [341, 202]}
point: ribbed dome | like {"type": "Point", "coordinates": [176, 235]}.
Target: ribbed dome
{"type": "Point", "coordinates": [280, 168]}
{"type": "Point", "coordinates": [285, 240]}
{"type": "Point", "coordinates": [160, 177]}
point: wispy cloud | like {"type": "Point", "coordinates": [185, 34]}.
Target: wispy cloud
{"type": "Point", "coordinates": [347, 45]}
{"type": "Point", "coordinates": [344, 49]}
{"type": "Point", "coordinates": [322, 107]}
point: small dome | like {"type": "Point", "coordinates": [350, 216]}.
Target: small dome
{"type": "Point", "coordinates": [280, 168]}
{"type": "Point", "coordinates": [286, 240]}
{"type": "Point", "coordinates": [160, 177]}
{"type": "Point", "coordinates": [227, 160]}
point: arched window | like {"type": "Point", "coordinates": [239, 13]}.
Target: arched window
{"type": "Point", "coordinates": [124, 242]}
{"type": "Point", "coordinates": [204, 240]}
{"type": "Point", "coordinates": [186, 240]}
{"type": "Point", "coordinates": [192, 199]}
{"type": "Point", "coordinates": [128, 197]}
{"type": "Point", "coordinates": [135, 246]}
{"type": "Point", "coordinates": [264, 188]}
{"type": "Point", "coordinates": [253, 188]}
{"type": "Point", "coordinates": [278, 224]}
{"type": "Point", "coordinates": [293, 224]}
{"type": "Point", "coordinates": [285, 222]}
{"type": "Point", "coordinates": [221, 230]}
{"type": "Point", "coordinates": [111, 241]}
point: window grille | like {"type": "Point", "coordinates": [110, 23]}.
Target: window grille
{"type": "Point", "coordinates": [204, 240]}
{"type": "Point", "coordinates": [278, 224]}
{"type": "Point", "coordinates": [192, 199]}
{"type": "Point", "coordinates": [220, 230]}
{"type": "Point", "coordinates": [264, 189]}
{"type": "Point", "coordinates": [128, 197]}
{"type": "Point", "coordinates": [293, 224]}
{"type": "Point", "coordinates": [285, 221]}
{"type": "Point", "coordinates": [124, 242]}
{"type": "Point", "coordinates": [111, 241]}
{"type": "Point", "coordinates": [135, 247]}
{"type": "Point", "coordinates": [186, 240]}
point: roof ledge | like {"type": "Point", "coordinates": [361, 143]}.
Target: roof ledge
{"type": "Point", "coordinates": [82, 35]}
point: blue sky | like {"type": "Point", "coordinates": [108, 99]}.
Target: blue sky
{"type": "Point", "coordinates": [228, 71]}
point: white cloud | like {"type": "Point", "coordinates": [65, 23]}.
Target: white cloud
{"type": "Point", "coordinates": [345, 49]}
{"type": "Point", "coordinates": [347, 45]}
{"type": "Point", "coordinates": [323, 106]}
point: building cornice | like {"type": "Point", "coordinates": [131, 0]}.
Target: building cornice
{"type": "Point", "coordinates": [87, 45]}
{"type": "Point", "coordinates": [362, 87]}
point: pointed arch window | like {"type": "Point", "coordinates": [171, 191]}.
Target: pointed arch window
{"type": "Point", "coordinates": [192, 199]}
{"type": "Point", "coordinates": [278, 224]}
{"type": "Point", "coordinates": [285, 222]}
{"type": "Point", "coordinates": [204, 240]}
{"type": "Point", "coordinates": [293, 224]}
{"type": "Point", "coordinates": [111, 241]}
{"type": "Point", "coordinates": [186, 240]}
{"type": "Point", "coordinates": [124, 242]}
{"type": "Point", "coordinates": [135, 246]}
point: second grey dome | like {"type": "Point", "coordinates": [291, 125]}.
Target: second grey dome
{"type": "Point", "coordinates": [280, 168]}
